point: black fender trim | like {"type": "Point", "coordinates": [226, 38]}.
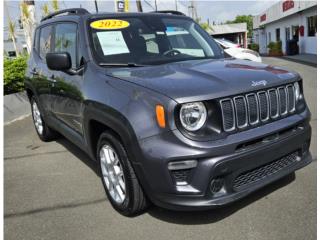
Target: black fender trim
{"type": "Point", "coordinates": [118, 123]}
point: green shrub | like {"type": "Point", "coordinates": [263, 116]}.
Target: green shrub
{"type": "Point", "coordinates": [254, 47]}
{"type": "Point", "coordinates": [275, 47]}
{"type": "Point", "coordinates": [14, 74]}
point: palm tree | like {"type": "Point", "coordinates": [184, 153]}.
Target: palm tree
{"type": "Point", "coordinates": [45, 9]}
{"type": "Point", "coordinates": [55, 5]}
{"type": "Point", "coordinates": [27, 9]}
{"type": "Point", "coordinates": [12, 34]}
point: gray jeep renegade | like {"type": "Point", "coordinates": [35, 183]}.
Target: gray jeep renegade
{"type": "Point", "coordinates": [168, 118]}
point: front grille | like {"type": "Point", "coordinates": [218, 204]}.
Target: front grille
{"type": "Point", "coordinates": [253, 108]}
{"type": "Point", "coordinates": [265, 171]}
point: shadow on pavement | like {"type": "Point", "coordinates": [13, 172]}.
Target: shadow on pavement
{"type": "Point", "coordinates": [52, 208]}
{"type": "Point", "coordinates": [79, 153]}
{"type": "Point", "coordinates": [191, 217]}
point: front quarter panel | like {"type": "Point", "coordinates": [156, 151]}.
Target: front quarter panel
{"type": "Point", "coordinates": [132, 104]}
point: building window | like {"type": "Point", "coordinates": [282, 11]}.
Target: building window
{"type": "Point", "coordinates": [287, 33]}
{"type": "Point", "coordinates": [312, 26]}
{"type": "Point", "coordinates": [278, 34]}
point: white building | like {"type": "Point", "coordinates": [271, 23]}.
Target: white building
{"type": "Point", "coordinates": [287, 20]}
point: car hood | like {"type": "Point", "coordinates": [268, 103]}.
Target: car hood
{"type": "Point", "coordinates": [205, 79]}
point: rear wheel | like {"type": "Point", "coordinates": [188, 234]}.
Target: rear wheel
{"type": "Point", "coordinates": [44, 132]}
{"type": "Point", "coordinates": [118, 177]}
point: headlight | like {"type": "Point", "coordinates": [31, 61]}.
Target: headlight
{"type": "Point", "coordinates": [193, 116]}
{"type": "Point", "coordinates": [297, 92]}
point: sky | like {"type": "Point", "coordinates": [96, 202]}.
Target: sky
{"type": "Point", "coordinates": [217, 11]}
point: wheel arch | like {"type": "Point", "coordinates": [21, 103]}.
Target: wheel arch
{"type": "Point", "coordinates": [99, 118]}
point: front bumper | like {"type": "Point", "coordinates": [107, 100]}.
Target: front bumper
{"type": "Point", "coordinates": [223, 163]}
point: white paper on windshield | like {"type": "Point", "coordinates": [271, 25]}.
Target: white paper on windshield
{"type": "Point", "coordinates": [112, 42]}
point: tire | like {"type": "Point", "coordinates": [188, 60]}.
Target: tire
{"type": "Point", "coordinates": [44, 132]}
{"type": "Point", "coordinates": [123, 190]}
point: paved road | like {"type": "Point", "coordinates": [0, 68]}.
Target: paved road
{"type": "Point", "coordinates": [52, 191]}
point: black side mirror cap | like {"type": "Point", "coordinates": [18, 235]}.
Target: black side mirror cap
{"type": "Point", "coordinates": [60, 61]}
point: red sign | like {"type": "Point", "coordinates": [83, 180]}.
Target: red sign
{"type": "Point", "coordinates": [288, 4]}
{"type": "Point", "coordinates": [263, 17]}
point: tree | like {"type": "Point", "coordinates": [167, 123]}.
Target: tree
{"type": "Point", "coordinates": [244, 19]}
{"type": "Point", "coordinates": [55, 5]}
{"type": "Point", "coordinates": [12, 33]}
{"type": "Point", "coordinates": [45, 9]}
{"type": "Point", "coordinates": [27, 9]}
{"type": "Point", "coordinates": [205, 25]}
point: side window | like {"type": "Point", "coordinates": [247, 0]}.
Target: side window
{"type": "Point", "coordinates": [185, 43]}
{"type": "Point", "coordinates": [66, 40]}
{"type": "Point", "coordinates": [45, 41]}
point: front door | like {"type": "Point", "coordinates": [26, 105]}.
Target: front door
{"type": "Point", "coordinates": [66, 88]}
{"type": "Point", "coordinates": [39, 71]}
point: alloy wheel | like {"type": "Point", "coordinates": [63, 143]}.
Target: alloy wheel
{"type": "Point", "coordinates": [112, 173]}
{"type": "Point", "coordinates": [37, 120]}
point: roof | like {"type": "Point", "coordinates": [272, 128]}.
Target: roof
{"type": "Point", "coordinates": [77, 12]}
{"type": "Point", "coordinates": [281, 10]}
{"type": "Point", "coordinates": [228, 28]}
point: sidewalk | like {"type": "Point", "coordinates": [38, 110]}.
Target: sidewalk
{"type": "Point", "coordinates": [308, 59]}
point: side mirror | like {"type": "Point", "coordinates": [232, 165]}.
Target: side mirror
{"type": "Point", "coordinates": [60, 61]}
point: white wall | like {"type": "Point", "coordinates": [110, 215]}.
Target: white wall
{"type": "Point", "coordinates": [307, 44]}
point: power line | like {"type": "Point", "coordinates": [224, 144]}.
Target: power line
{"type": "Point", "coordinates": [150, 5]}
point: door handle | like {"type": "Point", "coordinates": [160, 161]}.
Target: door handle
{"type": "Point", "coordinates": [52, 79]}
{"type": "Point", "coordinates": [34, 72]}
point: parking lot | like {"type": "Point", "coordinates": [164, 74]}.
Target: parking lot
{"type": "Point", "coordinates": [52, 191]}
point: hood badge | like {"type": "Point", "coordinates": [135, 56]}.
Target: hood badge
{"type": "Point", "coordinates": [258, 83]}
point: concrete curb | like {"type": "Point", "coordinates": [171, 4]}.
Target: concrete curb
{"type": "Point", "coordinates": [15, 107]}
{"type": "Point", "coordinates": [312, 64]}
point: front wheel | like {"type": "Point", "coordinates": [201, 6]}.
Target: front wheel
{"type": "Point", "coordinates": [44, 132]}
{"type": "Point", "coordinates": [119, 180]}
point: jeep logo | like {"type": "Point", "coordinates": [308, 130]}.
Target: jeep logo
{"type": "Point", "coordinates": [258, 83]}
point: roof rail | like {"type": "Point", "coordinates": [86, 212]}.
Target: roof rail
{"type": "Point", "coordinates": [170, 12]}
{"type": "Point", "coordinates": [80, 11]}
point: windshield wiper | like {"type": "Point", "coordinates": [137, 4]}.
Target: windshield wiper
{"type": "Point", "coordinates": [121, 65]}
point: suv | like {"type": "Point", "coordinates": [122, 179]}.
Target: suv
{"type": "Point", "coordinates": [182, 127]}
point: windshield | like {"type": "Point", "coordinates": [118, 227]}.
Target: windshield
{"type": "Point", "coordinates": [149, 40]}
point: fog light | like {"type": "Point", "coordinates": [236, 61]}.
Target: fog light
{"type": "Point", "coordinates": [216, 185]}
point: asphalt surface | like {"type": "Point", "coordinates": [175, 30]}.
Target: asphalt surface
{"type": "Point", "coordinates": [52, 191]}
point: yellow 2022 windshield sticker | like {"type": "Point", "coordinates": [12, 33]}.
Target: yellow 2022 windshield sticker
{"type": "Point", "coordinates": [109, 24]}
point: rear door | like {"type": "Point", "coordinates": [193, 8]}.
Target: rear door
{"type": "Point", "coordinates": [67, 96]}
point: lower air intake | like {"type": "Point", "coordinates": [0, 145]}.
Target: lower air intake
{"type": "Point", "coordinates": [265, 171]}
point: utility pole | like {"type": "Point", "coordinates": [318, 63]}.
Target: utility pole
{"type": "Point", "coordinates": [96, 5]}
{"type": "Point", "coordinates": [155, 4]}
{"type": "Point", "coordinates": [139, 6]}
{"type": "Point", "coordinates": [193, 10]}
{"type": "Point", "coordinates": [176, 3]}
